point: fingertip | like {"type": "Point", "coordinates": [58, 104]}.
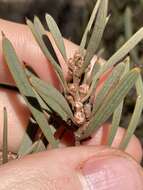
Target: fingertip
{"type": "Point", "coordinates": [134, 147]}
{"type": "Point", "coordinates": [83, 167]}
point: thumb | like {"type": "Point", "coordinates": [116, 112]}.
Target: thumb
{"type": "Point", "coordinates": [80, 168]}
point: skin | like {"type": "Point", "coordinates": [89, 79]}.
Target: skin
{"type": "Point", "coordinates": [65, 168]}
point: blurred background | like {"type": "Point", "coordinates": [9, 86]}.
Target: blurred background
{"type": "Point", "coordinates": [72, 17]}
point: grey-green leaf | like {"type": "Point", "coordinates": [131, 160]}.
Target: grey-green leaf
{"type": "Point", "coordinates": [128, 24]}
{"type": "Point", "coordinates": [5, 137]}
{"type": "Point", "coordinates": [43, 105]}
{"type": "Point", "coordinates": [56, 35]}
{"type": "Point", "coordinates": [25, 145]}
{"type": "Point", "coordinates": [110, 83]}
{"type": "Point", "coordinates": [124, 50]}
{"type": "Point", "coordinates": [37, 146]}
{"type": "Point", "coordinates": [22, 83]}
{"type": "Point", "coordinates": [89, 25]}
{"type": "Point", "coordinates": [120, 54]}
{"type": "Point", "coordinates": [97, 33]}
{"type": "Point", "coordinates": [118, 112]}
{"type": "Point", "coordinates": [52, 97]}
{"type": "Point", "coordinates": [136, 114]}
{"type": "Point", "coordinates": [95, 70]}
{"type": "Point", "coordinates": [38, 32]}
{"type": "Point", "coordinates": [40, 147]}
{"type": "Point", "coordinates": [112, 100]}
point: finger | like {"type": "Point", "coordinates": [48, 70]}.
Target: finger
{"type": "Point", "coordinates": [76, 168]}
{"type": "Point", "coordinates": [134, 147]}
{"type": "Point", "coordinates": [29, 52]}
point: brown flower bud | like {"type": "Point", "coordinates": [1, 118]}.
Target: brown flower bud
{"type": "Point", "coordinates": [70, 99]}
{"type": "Point", "coordinates": [77, 56]}
{"type": "Point", "coordinates": [69, 75]}
{"type": "Point", "coordinates": [78, 106]}
{"type": "Point", "coordinates": [83, 89]}
{"type": "Point", "coordinates": [72, 88]}
{"type": "Point", "coordinates": [76, 71]}
{"type": "Point", "coordinates": [87, 110]}
{"type": "Point", "coordinates": [79, 117]}
{"type": "Point", "coordinates": [79, 64]}
{"type": "Point", "coordinates": [70, 63]}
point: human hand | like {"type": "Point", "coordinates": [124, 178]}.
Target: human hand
{"type": "Point", "coordinates": [90, 166]}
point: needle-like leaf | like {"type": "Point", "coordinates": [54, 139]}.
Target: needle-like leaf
{"type": "Point", "coordinates": [110, 83]}
{"type": "Point", "coordinates": [97, 33]}
{"type": "Point", "coordinates": [94, 71]}
{"type": "Point", "coordinates": [129, 32]}
{"type": "Point", "coordinates": [38, 33]}
{"type": "Point", "coordinates": [56, 35]}
{"type": "Point", "coordinates": [37, 146]}
{"type": "Point", "coordinates": [136, 114]}
{"type": "Point", "coordinates": [25, 144]}
{"type": "Point", "coordinates": [124, 50]}
{"type": "Point", "coordinates": [89, 25]}
{"type": "Point", "coordinates": [43, 105]}
{"type": "Point", "coordinates": [40, 28]}
{"type": "Point", "coordinates": [5, 137]}
{"type": "Point", "coordinates": [110, 103]}
{"type": "Point", "coordinates": [120, 54]}
{"type": "Point", "coordinates": [40, 147]}
{"type": "Point", "coordinates": [52, 97]}
{"type": "Point", "coordinates": [22, 83]}
{"type": "Point", "coordinates": [118, 112]}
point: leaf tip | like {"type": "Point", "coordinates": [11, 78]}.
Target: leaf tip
{"type": "Point", "coordinates": [3, 35]}
{"type": "Point", "coordinates": [36, 17]}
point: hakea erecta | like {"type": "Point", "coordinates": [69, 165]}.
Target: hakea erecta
{"type": "Point", "coordinates": [91, 94]}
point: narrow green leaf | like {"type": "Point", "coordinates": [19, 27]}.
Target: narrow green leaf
{"type": "Point", "coordinates": [37, 146]}
{"type": "Point", "coordinates": [124, 50]}
{"type": "Point", "coordinates": [52, 97]}
{"type": "Point", "coordinates": [118, 112]}
{"type": "Point", "coordinates": [38, 25]}
{"type": "Point", "coordinates": [89, 25]}
{"type": "Point", "coordinates": [97, 33]}
{"type": "Point", "coordinates": [49, 46]}
{"type": "Point", "coordinates": [93, 79]}
{"type": "Point", "coordinates": [40, 147]}
{"type": "Point", "coordinates": [56, 35]}
{"type": "Point", "coordinates": [129, 32]}
{"type": "Point", "coordinates": [22, 83]}
{"type": "Point", "coordinates": [128, 23]}
{"type": "Point", "coordinates": [112, 100]}
{"type": "Point", "coordinates": [30, 149]}
{"type": "Point", "coordinates": [5, 137]}
{"type": "Point", "coordinates": [43, 105]}
{"type": "Point", "coordinates": [25, 144]}
{"type": "Point", "coordinates": [95, 70]}
{"type": "Point", "coordinates": [120, 54]}
{"type": "Point", "coordinates": [109, 84]}
{"type": "Point", "coordinates": [136, 114]}
{"type": "Point", "coordinates": [38, 33]}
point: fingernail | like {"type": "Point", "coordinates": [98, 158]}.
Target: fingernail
{"type": "Point", "coordinates": [108, 173]}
